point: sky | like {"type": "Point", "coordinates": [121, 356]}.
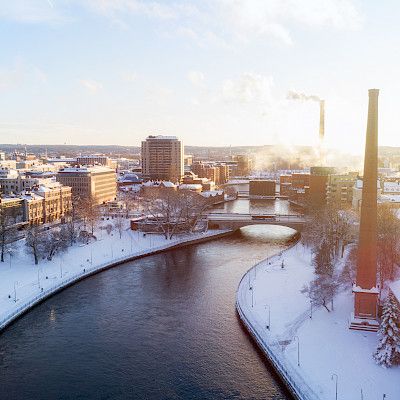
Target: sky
{"type": "Point", "coordinates": [213, 72]}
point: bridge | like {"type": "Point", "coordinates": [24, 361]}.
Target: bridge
{"type": "Point", "coordinates": [238, 220]}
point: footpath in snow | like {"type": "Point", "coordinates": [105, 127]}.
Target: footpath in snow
{"type": "Point", "coordinates": [313, 349]}
{"type": "Point", "coordinates": [24, 284]}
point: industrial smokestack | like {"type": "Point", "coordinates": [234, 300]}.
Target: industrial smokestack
{"type": "Point", "coordinates": [321, 119]}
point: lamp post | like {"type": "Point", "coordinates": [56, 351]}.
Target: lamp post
{"type": "Point", "coordinates": [310, 309]}
{"type": "Point", "coordinates": [269, 316]}
{"type": "Point", "coordinates": [298, 350]}
{"type": "Point", "coordinates": [15, 291]}
{"type": "Point", "coordinates": [336, 383]}
{"type": "Point", "coordinates": [252, 297]}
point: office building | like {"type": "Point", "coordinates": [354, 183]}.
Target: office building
{"type": "Point", "coordinates": [95, 182]}
{"type": "Point", "coordinates": [162, 158]}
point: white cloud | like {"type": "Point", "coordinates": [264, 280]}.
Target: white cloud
{"type": "Point", "coordinates": [208, 22]}
{"type": "Point", "coordinates": [196, 78]}
{"type": "Point", "coordinates": [248, 88]}
{"type": "Point", "coordinates": [247, 19]}
{"type": "Point", "coordinates": [91, 85]}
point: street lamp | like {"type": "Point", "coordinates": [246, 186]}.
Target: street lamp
{"type": "Point", "coordinates": [252, 297]}
{"type": "Point", "coordinates": [15, 291]}
{"type": "Point", "coordinates": [298, 350]}
{"type": "Point", "coordinates": [336, 382]}
{"type": "Point", "coordinates": [269, 316]}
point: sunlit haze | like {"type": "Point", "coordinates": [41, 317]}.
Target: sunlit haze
{"type": "Point", "coordinates": [213, 72]}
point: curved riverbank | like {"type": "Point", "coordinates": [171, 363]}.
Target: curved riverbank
{"type": "Point", "coordinates": [290, 377]}
{"type": "Point", "coordinates": [162, 326]}
{"type": "Point", "coordinates": [29, 303]}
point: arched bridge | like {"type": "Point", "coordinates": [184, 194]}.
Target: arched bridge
{"type": "Point", "coordinates": [238, 220]}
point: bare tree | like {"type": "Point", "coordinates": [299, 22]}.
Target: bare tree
{"type": "Point", "coordinates": [231, 191]}
{"type": "Point", "coordinates": [388, 242]}
{"type": "Point", "coordinates": [89, 212]}
{"type": "Point", "coordinates": [71, 222]}
{"type": "Point", "coordinates": [119, 224]}
{"type": "Point", "coordinates": [8, 232]}
{"type": "Point", "coordinates": [331, 225]}
{"type": "Point", "coordinates": [131, 202]}
{"type": "Point", "coordinates": [173, 211]}
{"type": "Point", "coordinates": [321, 291]}
{"type": "Point", "coordinates": [35, 242]}
{"type": "Point", "coordinates": [54, 241]}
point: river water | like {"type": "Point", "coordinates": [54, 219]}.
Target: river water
{"type": "Point", "coordinates": [162, 327]}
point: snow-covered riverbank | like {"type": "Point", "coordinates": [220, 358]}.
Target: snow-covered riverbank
{"type": "Point", "coordinates": [311, 349]}
{"type": "Point", "coordinates": [24, 284]}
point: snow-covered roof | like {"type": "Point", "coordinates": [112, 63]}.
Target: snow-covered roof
{"type": "Point", "coordinates": [395, 288]}
{"type": "Point", "coordinates": [159, 183]}
{"type": "Point", "coordinates": [359, 184]}
{"type": "Point", "coordinates": [161, 137]}
{"type": "Point", "coordinates": [85, 169]}
{"type": "Point", "coordinates": [392, 187]}
{"type": "Point", "coordinates": [191, 186]}
{"type": "Point", "coordinates": [168, 184]}
{"type": "Point", "coordinates": [210, 193]}
{"type": "Point", "coordinates": [389, 198]}
{"type": "Point", "coordinates": [129, 178]}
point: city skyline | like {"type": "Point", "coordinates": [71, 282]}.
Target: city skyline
{"type": "Point", "coordinates": [213, 73]}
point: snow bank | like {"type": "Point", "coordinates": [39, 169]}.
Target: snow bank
{"type": "Point", "coordinates": [24, 284]}
{"type": "Point", "coordinates": [310, 348]}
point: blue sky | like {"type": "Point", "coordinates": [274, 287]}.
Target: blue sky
{"type": "Point", "coordinates": [214, 72]}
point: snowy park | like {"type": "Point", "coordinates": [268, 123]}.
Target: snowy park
{"type": "Point", "coordinates": [23, 283]}
{"type": "Point", "coordinates": [313, 348]}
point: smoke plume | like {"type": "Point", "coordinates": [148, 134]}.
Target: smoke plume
{"type": "Point", "coordinates": [301, 96]}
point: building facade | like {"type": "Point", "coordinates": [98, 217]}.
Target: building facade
{"type": "Point", "coordinates": [162, 158]}
{"type": "Point", "coordinates": [339, 189]}
{"type": "Point", "coordinates": [98, 183]}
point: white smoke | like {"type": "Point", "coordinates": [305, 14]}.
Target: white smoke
{"type": "Point", "coordinates": [292, 95]}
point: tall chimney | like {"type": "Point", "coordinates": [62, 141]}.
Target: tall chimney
{"type": "Point", "coordinates": [366, 294]}
{"type": "Point", "coordinates": [321, 119]}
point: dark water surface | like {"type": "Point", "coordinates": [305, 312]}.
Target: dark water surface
{"type": "Point", "coordinates": [163, 327]}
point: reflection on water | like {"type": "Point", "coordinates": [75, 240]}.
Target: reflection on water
{"type": "Point", "coordinates": [163, 327]}
{"type": "Point", "coordinates": [278, 206]}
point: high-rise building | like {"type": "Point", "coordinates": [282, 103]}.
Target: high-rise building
{"type": "Point", "coordinates": [162, 158]}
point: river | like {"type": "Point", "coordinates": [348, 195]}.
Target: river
{"type": "Point", "coordinates": [162, 327]}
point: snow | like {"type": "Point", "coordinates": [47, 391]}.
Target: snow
{"type": "Point", "coordinates": [327, 346]}
{"type": "Point", "coordinates": [395, 288]}
{"type": "Point", "coordinates": [21, 281]}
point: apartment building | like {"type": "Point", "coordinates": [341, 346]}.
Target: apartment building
{"type": "Point", "coordinates": [339, 188]}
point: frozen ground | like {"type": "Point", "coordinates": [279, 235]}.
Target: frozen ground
{"type": "Point", "coordinates": [323, 345]}
{"type": "Point", "coordinates": [22, 282]}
